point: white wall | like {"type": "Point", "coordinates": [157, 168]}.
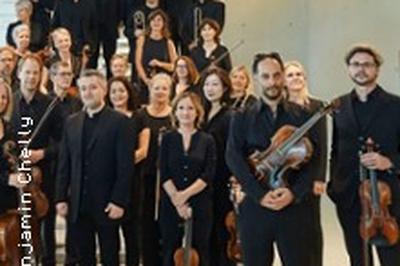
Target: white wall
{"type": "Point", "coordinates": [318, 33]}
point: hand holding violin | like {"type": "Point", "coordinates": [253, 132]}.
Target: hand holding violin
{"type": "Point", "coordinates": [375, 161]}
{"type": "Point", "coordinates": [277, 199]}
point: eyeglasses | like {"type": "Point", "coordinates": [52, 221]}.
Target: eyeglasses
{"type": "Point", "coordinates": [363, 65]}
{"type": "Point", "coordinates": [181, 66]}
{"type": "Point", "coordinates": [65, 74]}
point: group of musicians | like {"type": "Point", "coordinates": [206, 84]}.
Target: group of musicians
{"type": "Point", "coordinates": [111, 164]}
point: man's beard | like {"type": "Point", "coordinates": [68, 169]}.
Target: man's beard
{"type": "Point", "coordinates": [273, 96]}
{"type": "Point", "coordinates": [364, 82]}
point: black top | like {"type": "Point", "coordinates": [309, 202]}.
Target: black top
{"type": "Point", "coordinates": [67, 106]}
{"type": "Point", "coordinates": [35, 109]}
{"type": "Point", "coordinates": [364, 110]}
{"type": "Point", "coordinates": [252, 130]}
{"type": "Point", "coordinates": [185, 167]}
{"type": "Point", "coordinates": [154, 49]}
{"type": "Point", "coordinates": [38, 35]}
{"type": "Point", "coordinates": [145, 120]}
{"type": "Point", "coordinates": [218, 127]}
{"type": "Point", "coordinates": [242, 102]}
{"type": "Point", "coordinates": [8, 195]}
{"type": "Point", "coordinates": [198, 54]}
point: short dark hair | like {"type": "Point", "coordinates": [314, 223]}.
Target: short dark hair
{"type": "Point", "coordinates": [262, 56]}
{"type": "Point", "coordinates": [364, 48]}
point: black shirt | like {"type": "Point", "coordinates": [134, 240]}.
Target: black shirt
{"type": "Point", "coordinates": [218, 127]}
{"type": "Point", "coordinates": [198, 54]}
{"type": "Point", "coordinates": [89, 127]}
{"type": "Point", "coordinates": [364, 110]}
{"type": "Point", "coordinates": [35, 109]}
{"type": "Point", "coordinates": [252, 130]}
{"type": "Point", "coordinates": [185, 167]}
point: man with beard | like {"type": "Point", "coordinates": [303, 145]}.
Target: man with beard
{"type": "Point", "coordinates": [270, 214]}
{"type": "Point", "coordinates": [368, 111]}
{"type": "Point", "coordinates": [94, 169]}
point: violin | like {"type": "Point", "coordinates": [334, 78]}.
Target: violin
{"type": "Point", "coordinates": [10, 222]}
{"type": "Point", "coordinates": [233, 249]}
{"type": "Point", "coordinates": [377, 227]}
{"type": "Point", "coordinates": [10, 231]}
{"type": "Point", "coordinates": [186, 255]}
{"type": "Point", "coordinates": [289, 149]}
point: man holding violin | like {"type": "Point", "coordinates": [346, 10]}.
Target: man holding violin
{"type": "Point", "coordinates": [271, 214]}
{"type": "Point", "coordinates": [367, 112]}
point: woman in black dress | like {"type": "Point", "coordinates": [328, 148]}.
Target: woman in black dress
{"type": "Point", "coordinates": [185, 76]}
{"type": "Point", "coordinates": [156, 117]}
{"type": "Point", "coordinates": [209, 50]}
{"type": "Point", "coordinates": [297, 92]}
{"type": "Point", "coordinates": [124, 100]}
{"type": "Point", "coordinates": [240, 96]}
{"type": "Point", "coordinates": [155, 51]}
{"type": "Point", "coordinates": [216, 88]}
{"type": "Point", "coordinates": [187, 164]}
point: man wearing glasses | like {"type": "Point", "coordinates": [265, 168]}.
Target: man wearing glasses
{"type": "Point", "coordinates": [367, 112]}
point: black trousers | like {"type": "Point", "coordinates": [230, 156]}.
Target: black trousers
{"type": "Point", "coordinates": [220, 235]}
{"type": "Point", "coordinates": [172, 230]}
{"type": "Point", "coordinates": [350, 221]}
{"type": "Point", "coordinates": [289, 229]}
{"type": "Point", "coordinates": [130, 225]}
{"type": "Point", "coordinates": [150, 237]}
{"type": "Point", "coordinates": [316, 237]}
{"type": "Point", "coordinates": [48, 222]}
{"type": "Point", "coordinates": [86, 228]}
{"type": "Point", "coordinates": [108, 40]}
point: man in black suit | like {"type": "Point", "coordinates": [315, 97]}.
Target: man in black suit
{"type": "Point", "coordinates": [270, 214]}
{"type": "Point", "coordinates": [368, 111]}
{"type": "Point", "coordinates": [30, 102]}
{"type": "Point", "coordinates": [95, 166]}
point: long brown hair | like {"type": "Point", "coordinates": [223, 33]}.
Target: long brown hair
{"type": "Point", "coordinates": [158, 12]}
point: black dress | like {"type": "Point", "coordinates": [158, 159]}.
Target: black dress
{"type": "Point", "coordinates": [218, 127]}
{"type": "Point", "coordinates": [150, 238]}
{"type": "Point", "coordinates": [183, 168]}
{"type": "Point", "coordinates": [316, 242]}
{"type": "Point", "coordinates": [152, 49]}
{"type": "Point", "coordinates": [130, 225]}
{"type": "Point", "coordinates": [8, 194]}
{"type": "Point", "coordinates": [198, 54]}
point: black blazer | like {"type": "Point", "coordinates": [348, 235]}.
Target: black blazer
{"type": "Point", "coordinates": [383, 127]}
{"type": "Point", "coordinates": [110, 164]}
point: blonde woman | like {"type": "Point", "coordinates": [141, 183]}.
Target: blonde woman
{"type": "Point", "coordinates": [240, 95]}
{"type": "Point", "coordinates": [297, 92]}
{"type": "Point", "coordinates": [188, 160]}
